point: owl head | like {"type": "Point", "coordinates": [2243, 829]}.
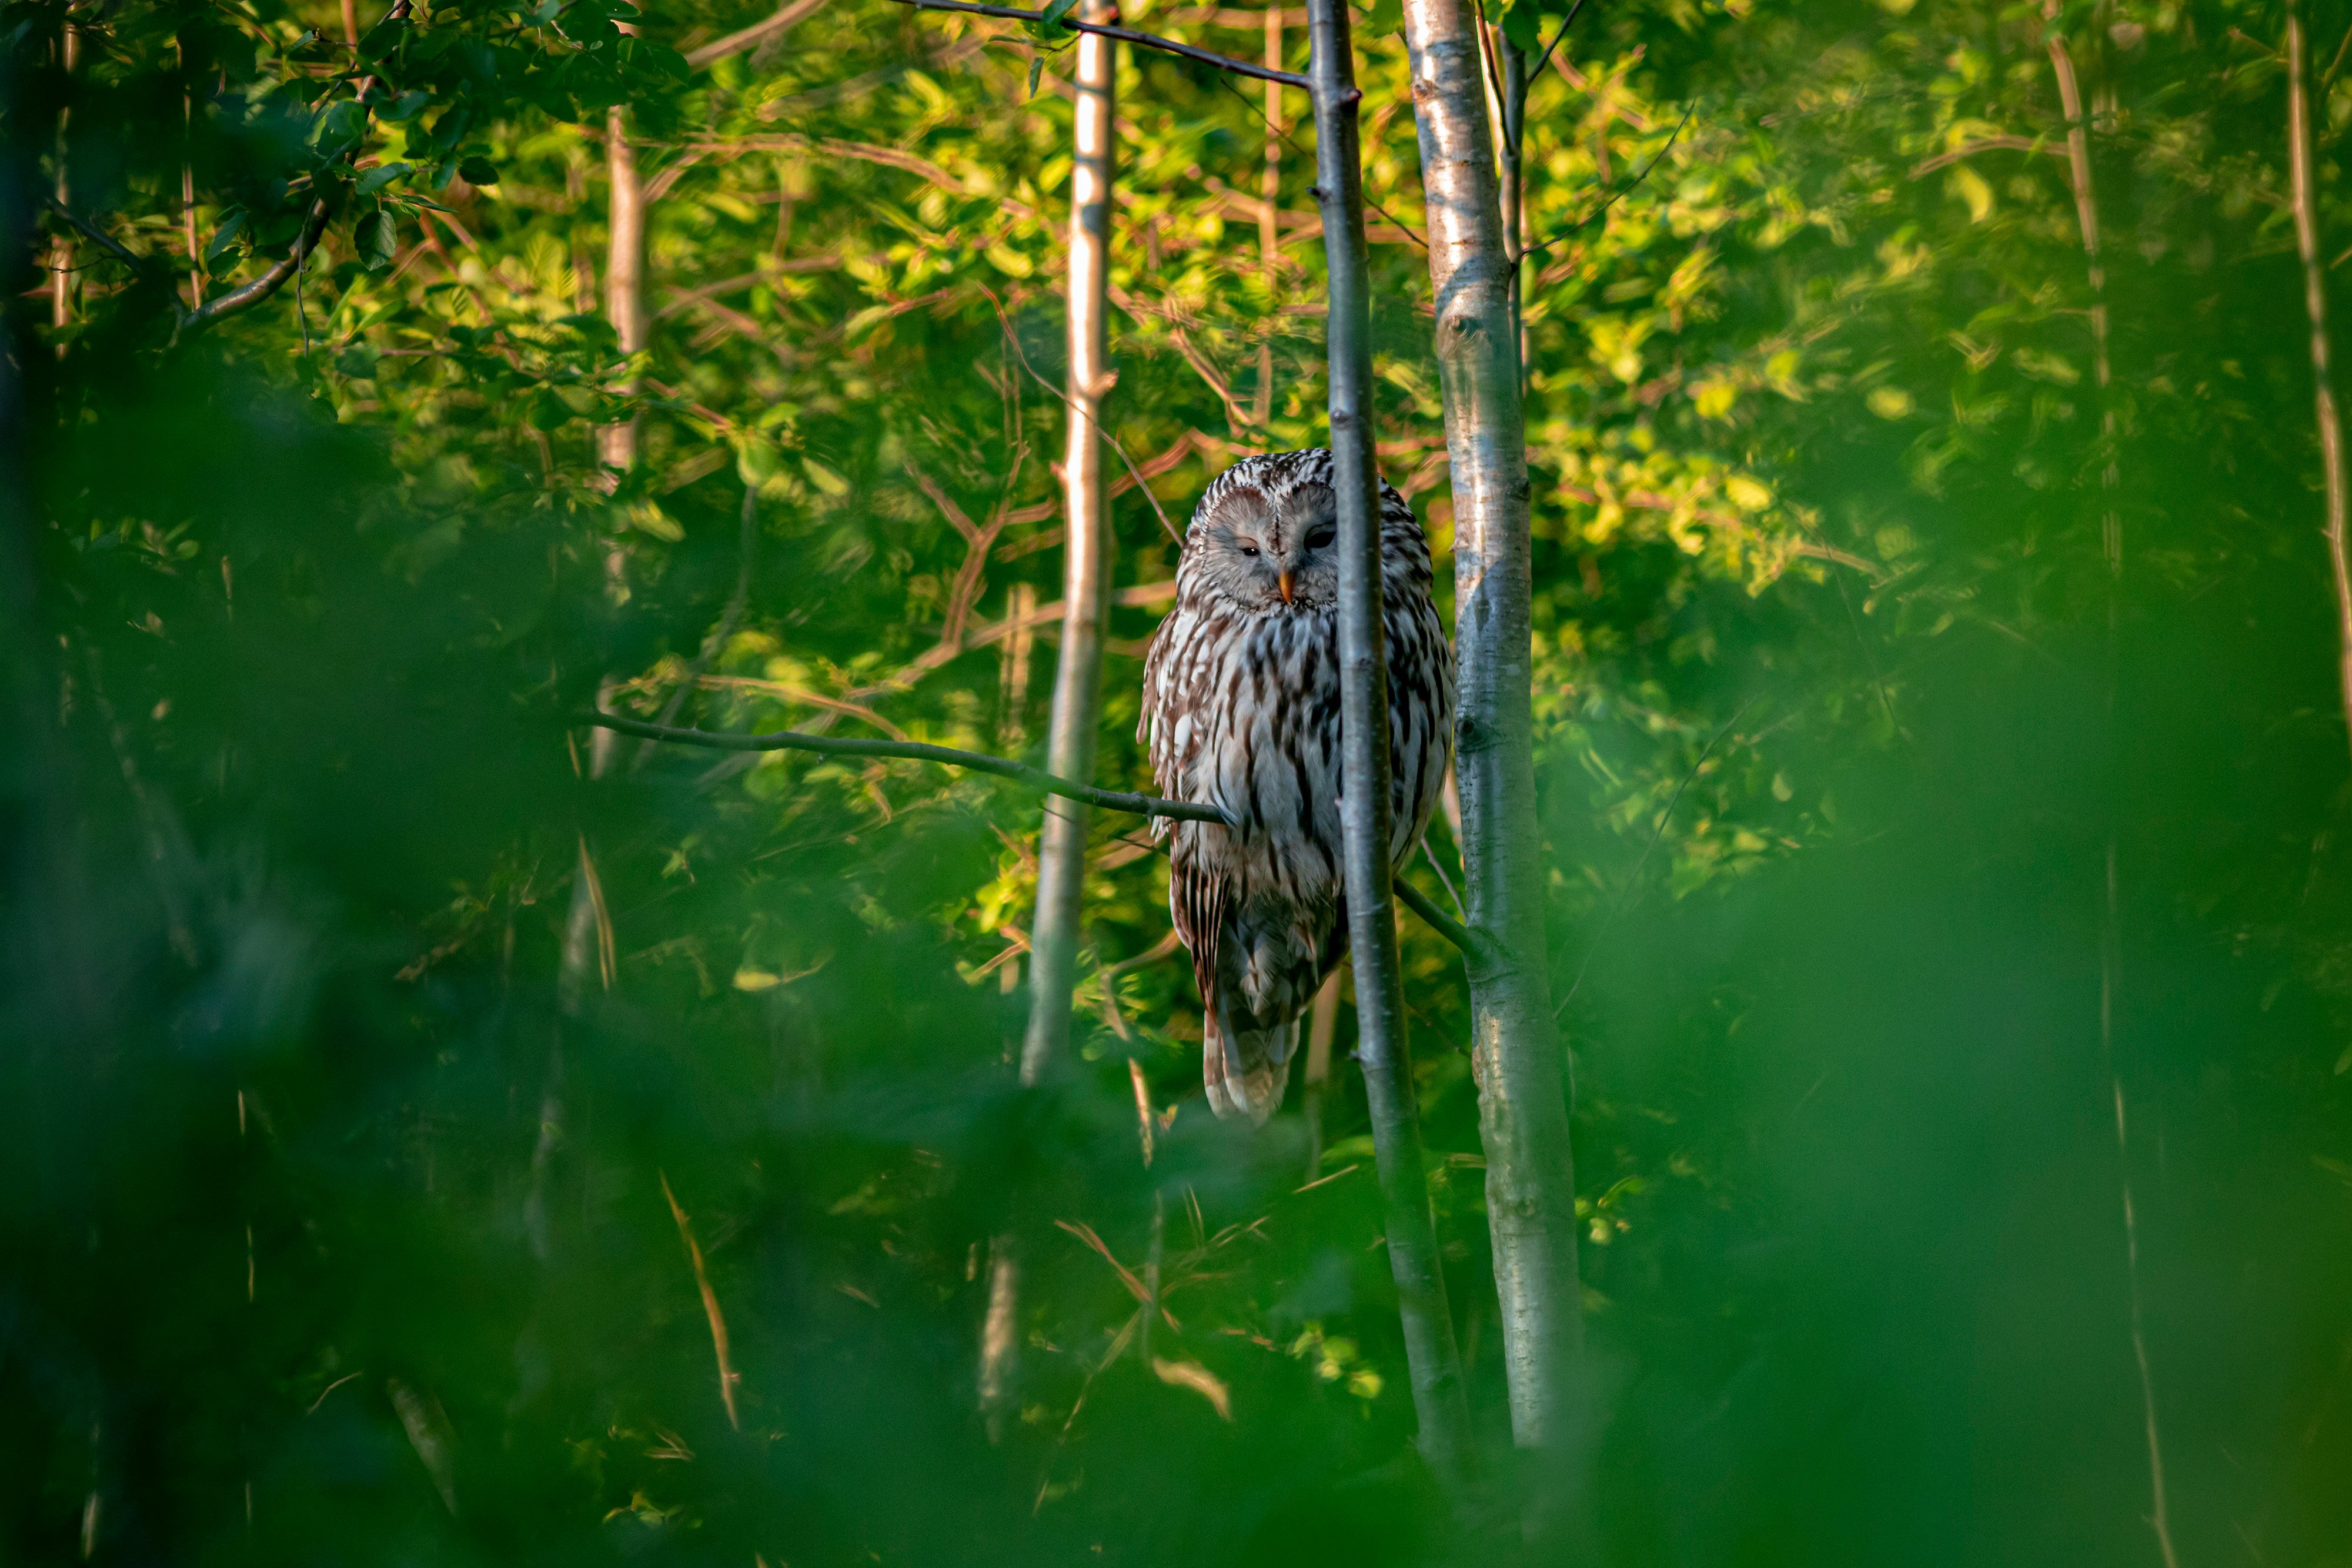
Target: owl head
{"type": "Point", "coordinates": [1265, 534]}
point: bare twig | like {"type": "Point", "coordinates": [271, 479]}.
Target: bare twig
{"type": "Point", "coordinates": [840, 745]}
{"type": "Point", "coordinates": [1982, 145]}
{"type": "Point", "coordinates": [1436, 919]}
{"type": "Point", "coordinates": [1565, 24]}
{"type": "Point", "coordinates": [1124, 35]}
{"type": "Point", "coordinates": [728, 1376]}
{"type": "Point", "coordinates": [1014, 340]}
{"type": "Point", "coordinates": [757, 33]}
{"type": "Point", "coordinates": [1621, 191]}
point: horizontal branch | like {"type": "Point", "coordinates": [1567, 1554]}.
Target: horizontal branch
{"type": "Point", "coordinates": [247, 294]}
{"type": "Point", "coordinates": [1437, 920]}
{"type": "Point", "coordinates": [1125, 35]}
{"type": "Point", "coordinates": [757, 33]}
{"type": "Point", "coordinates": [947, 756]}
{"type": "Point", "coordinates": [242, 298]}
{"type": "Point", "coordinates": [1985, 145]}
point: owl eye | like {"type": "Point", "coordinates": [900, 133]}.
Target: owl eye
{"type": "Point", "coordinates": [1250, 550]}
{"type": "Point", "coordinates": [1322, 537]}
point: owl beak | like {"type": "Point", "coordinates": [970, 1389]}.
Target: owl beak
{"type": "Point", "coordinates": [1283, 586]}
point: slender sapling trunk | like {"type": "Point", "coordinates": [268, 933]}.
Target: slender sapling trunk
{"type": "Point", "coordinates": [1054, 935]}
{"type": "Point", "coordinates": [2304, 194]}
{"type": "Point", "coordinates": [1435, 1363]}
{"type": "Point", "coordinates": [2111, 530]}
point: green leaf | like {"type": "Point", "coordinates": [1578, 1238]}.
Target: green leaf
{"type": "Point", "coordinates": [379, 237]}
{"type": "Point", "coordinates": [358, 361]}
{"type": "Point", "coordinates": [477, 171]}
{"type": "Point", "coordinates": [1523, 28]}
{"type": "Point", "coordinates": [1036, 69]}
{"type": "Point", "coordinates": [339, 129]}
{"type": "Point", "coordinates": [225, 236]}
{"type": "Point", "coordinates": [376, 179]}
{"type": "Point", "coordinates": [1048, 29]}
{"type": "Point", "coordinates": [548, 411]}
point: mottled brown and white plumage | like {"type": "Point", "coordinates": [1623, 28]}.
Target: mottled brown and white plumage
{"type": "Point", "coordinates": [1241, 709]}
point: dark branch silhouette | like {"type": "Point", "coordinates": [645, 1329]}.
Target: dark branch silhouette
{"type": "Point", "coordinates": [244, 296]}
{"type": "Point", "coordinates": [1437, 920]}
{"type": "Point", "coordinates": [1125, 35]}
{"type": "Point", "coordinates": [947, 756]}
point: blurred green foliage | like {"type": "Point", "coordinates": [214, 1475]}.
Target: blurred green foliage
{"type": "Point", "coordinates": [335, 1224]}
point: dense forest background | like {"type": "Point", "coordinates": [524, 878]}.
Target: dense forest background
{"type": "Point", "coordinates": [1909, 574]}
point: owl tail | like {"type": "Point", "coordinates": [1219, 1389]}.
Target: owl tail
{"type": "Point", "coordinates": [1246, 1070]}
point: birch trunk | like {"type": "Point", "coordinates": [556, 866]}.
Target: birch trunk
{"type": "Point", "coordinates": [1435, 1366]}
{"type": "Point", "coordinates": [1077, 679]}
{"type": "Point", "coordinates": [1523, 1093]}
{"type": "Point", "coordinates": [624, 273]}
{"type": "Point", "coordinates": [1269, 231]}
{"type": "Point", "coordinates": [2305, 197]}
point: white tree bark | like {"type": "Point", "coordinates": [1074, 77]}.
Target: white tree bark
{"type": "Point", "coordinates": [1055, 932]}
{"type": "Point", "coordinates": [624, 273]}
{"type": "Point", "coordinates": [1523, 1107]}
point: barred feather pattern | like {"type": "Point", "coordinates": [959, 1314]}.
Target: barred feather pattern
{"type": "Point", "coordinates": [1241, 710]}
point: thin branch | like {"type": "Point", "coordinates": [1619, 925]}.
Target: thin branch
{"type": "Point", "coordinates": [1603, 210]}
{"type": "Point", "coordinates": [97, 236]}
{"type": "Point", "coordinates": [1565, 22]}
{"type": "Point", "coordinates": [947, 756]}
{"type": "Point", "coordinates": [1022, 354]}
{"type": "Point", "coordinates": [247, 294]}
{"type": "Point", "coordinates": [1437, 920]}
{"type": "Point", "coordinates": [1982, 145]}
{"type": "Point", "coordinates": [1125, 35]}
{"type": "Point", "coordinates": [728, 1376]}
{"type": "Point", "coordinates": [1405, 228]}
{"type": "Point", "coordinates": [757, 33]}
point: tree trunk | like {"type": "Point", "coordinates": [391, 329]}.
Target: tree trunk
{"type": "Point", "coordinates": [1320, 1027]}
{"type": "Point", "coordinates": [1523, 1093]}
{"type": "Point", "coordinates": [61, 247]}
{"type": "Point", "coordinates": [2111, 532]}
{"type": "Point", "coordinates": [2305, 197]}
{"type": "Point", "coordinates": [1269, 230]}
{"type": "Point", "coordinates": [624, 273]}
{"type": "Point", "coordinates": [1054, 934]}
{"type": "Point", "coordinates": [1439, 1403]}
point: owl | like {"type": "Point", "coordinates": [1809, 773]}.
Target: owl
{"type": "Point", "coordinates": [1241, 710]}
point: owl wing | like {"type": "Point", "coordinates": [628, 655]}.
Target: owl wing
{"type": "Point", "coordinates": [1200, 896]}
{"type": "Point", "coordinates": [1178, 723]}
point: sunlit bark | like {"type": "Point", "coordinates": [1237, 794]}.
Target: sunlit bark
{"type": "Point", "coordinates": [1523, 1096]}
